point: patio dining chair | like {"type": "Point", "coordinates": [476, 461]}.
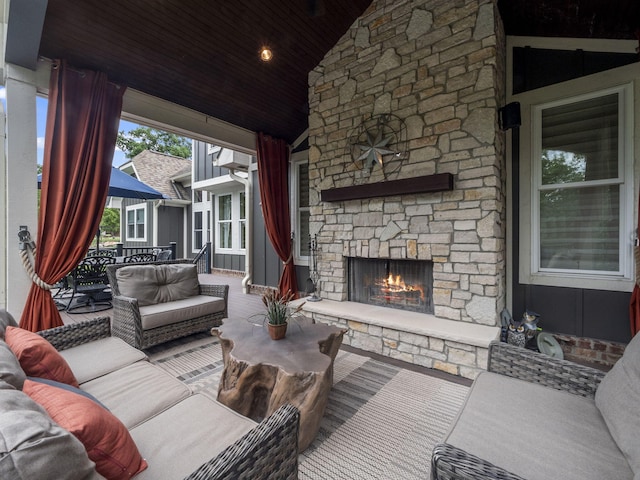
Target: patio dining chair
{"type": "Point", "coordinates": [105, 252]}
{"type": "Point", "coordinates": [163, 255]}
{"type": "Point", "coordinates": [89, 283]}
{"type": "Point", "coordinates": [140, 257]}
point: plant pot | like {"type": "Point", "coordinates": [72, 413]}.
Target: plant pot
{"type": "Point", "coordinates": [277, 332]}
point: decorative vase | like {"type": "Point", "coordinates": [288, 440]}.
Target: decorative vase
{"type": "Point", "coordinates": [277, 332]}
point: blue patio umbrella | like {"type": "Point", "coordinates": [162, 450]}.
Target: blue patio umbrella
{"type": "Point", "coordinates": [125, 186]}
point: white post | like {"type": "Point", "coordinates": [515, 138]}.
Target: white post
{"type": "Point", "coordinates": [18, 162]}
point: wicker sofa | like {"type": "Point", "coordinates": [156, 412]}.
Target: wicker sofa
{"type": "Point", "coordinates": [179, 434]}
{"type": "Point", "coordinates": [536, 417]}
{"type": "Point", "coordinates": [155, 302]}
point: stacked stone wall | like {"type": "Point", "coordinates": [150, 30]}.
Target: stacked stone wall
{"type": "Point", "coordinates": [439, 66]}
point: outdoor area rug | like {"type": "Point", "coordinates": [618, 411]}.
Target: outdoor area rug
{"type": "Point", "coordinates": [381, 422]}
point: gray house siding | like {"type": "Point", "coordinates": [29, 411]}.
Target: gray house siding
{"type": "Point", "coordinates": [203, 168]}
{"type": "Point", "coordinates": [229, 262]}
{"type": "Point", "coordinates": [149, 225]}
{"type": "Point", "coordinates": [266, 266]}
{"type": "Point", "coordinates": [572, 311]}
{"type": "Point", "coordinates": [170, 227]}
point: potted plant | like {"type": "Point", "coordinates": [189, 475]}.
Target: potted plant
{"type": "Point", "coordinates": [279, 312]}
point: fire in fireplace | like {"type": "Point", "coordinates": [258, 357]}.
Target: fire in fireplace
{"type": "Point", "coordinates": [401, 284]}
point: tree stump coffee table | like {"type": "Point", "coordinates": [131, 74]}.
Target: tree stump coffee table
{"type": "Point", "coordinates": [261, 374]}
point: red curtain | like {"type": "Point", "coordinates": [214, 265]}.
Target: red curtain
{"type": "Point", "coordinates": [82, 125]}
{"type": "Point", "coordinates": [273, 164]}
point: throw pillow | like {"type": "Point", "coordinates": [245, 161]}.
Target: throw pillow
{"type": "Point", "coordinates": [33, 446]}
{"type": "Point", "coordinates": [68, 388]}
{"type": "Point", "coordinates": [106, 440]}
{"type": "Point", "coordinates": [37, 357]}
{"type": "Point", "coordinates": [617, 398]}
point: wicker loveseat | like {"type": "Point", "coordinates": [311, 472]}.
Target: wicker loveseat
{"type": "Point", "coordinates": [155, 302]}
{"type": "Point", "coordinates": [177, 434]}
{"type": "Point", "coordinates": [536, 417]}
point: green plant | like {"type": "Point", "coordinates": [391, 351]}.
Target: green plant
{"type": "Point", "coordinates": [278, 309]}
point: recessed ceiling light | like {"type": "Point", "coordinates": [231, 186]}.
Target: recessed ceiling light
{"type": "Point", "coordinates": [266, 54]}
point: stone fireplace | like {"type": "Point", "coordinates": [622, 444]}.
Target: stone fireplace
{"type": "Point", "coordinates": [438, 66]}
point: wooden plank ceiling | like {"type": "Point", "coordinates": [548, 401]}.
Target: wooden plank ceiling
{"type": "Point", "coordinates": [203, 54]}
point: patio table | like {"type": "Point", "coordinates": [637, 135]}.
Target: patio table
{"type": "Point", "coordinates": [261, 374]}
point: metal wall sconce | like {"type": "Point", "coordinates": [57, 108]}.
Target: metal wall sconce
{"type": "Point", "coordinates": [509, 116]}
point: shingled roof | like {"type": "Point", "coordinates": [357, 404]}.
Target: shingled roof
{"type": "Point", "coordinates": [157, 169]}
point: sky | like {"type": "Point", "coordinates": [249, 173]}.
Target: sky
{"type": "Point", "coordinates": [41, 112]}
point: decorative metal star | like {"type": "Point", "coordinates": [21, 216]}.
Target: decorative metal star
{"type": "Point", "coordinates": [374, 150]}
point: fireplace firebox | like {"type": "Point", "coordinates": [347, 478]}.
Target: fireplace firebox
{"type": "Point", "coordinates": [401, 284]}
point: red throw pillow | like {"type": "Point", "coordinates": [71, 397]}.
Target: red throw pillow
{"type": "Point", "coordinates": [106, 439]}
{"type": "Point", "coordinates": [37, 357]}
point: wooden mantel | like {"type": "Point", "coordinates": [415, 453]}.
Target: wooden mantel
{"type": "Point", "coordinates": [429, 183]}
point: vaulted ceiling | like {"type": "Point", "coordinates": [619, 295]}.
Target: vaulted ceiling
{"type": "Point", "coordinates": [204, 54]}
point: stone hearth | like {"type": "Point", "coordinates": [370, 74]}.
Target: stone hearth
{"type": "Point", "coordinates": [422, 339]}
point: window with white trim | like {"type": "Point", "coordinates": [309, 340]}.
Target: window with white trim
{"type": "Point", "coordinates": [231, 221]}
{"type": "Point", "coordinates": [201, 230]}
{"type": "Point", "coordinates": [300, 209]}
{"type": "Point", "coordinates": [197, 230]}
{"type": "Point", "coordinates": [243, 221]}
{"type": "Point", "coordinates": [137, 223]}
{"type": "Point", "coordinates": [581, 196]}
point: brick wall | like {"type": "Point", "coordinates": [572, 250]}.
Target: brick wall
{"type": "Point", "coordinates": [597, 353]}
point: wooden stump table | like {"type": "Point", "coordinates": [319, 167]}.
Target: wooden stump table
{"type": "Point", "coordinates": [261, 374]}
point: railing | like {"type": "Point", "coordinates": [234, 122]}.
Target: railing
{"type": "Point", "coordinates": [203, 259]}
{"type": "Point", "coordinates": [122, 251]}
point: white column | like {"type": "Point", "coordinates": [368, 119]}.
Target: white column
{"type": "Point", "coordinates": [18, 161]}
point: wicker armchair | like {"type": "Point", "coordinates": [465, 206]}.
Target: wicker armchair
{"type": "Point", "coordinates": [451, 463]}
{"type": "Point", "coordinates": [127, 320]}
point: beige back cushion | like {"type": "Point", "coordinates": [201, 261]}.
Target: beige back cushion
{"type": "Point", "coordinates": [618, 397]}
{"type": "Point", "coordinates": [153, 284]}
{"type": "Point", "coordinates": [6, 320]}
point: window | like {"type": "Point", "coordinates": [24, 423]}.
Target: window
{"type": "Point", "coordinates": [201, 217]}
{"type": "Point", "coordinates": [197, 230]}
{"type": "Point", "coordinates": [300, 211]}
{"type": "Point", "coordinates": [136, 222]}
{"type": "Point", "coordinates": [581, 196]}
{"type": "Point", "coordinates": [225, 222]}
{"type": "Point", "coordinates": [243, 222]}
{"type": "Point", "coordinates": [231, 222]}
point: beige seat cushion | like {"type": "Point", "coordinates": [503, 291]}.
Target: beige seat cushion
{"type": "Point", "coordinates": [162, 314]}
{"type": "Point", "coordinates": [152, 284]}
{"type": "Point", "coordinates": [94, 359]}
{"type": "Point", "coordinates": [137, 392]}
{"type": "Point", "coordinates": [202, 428]}
{"type": "Point", "coordinates": [536, 432]}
